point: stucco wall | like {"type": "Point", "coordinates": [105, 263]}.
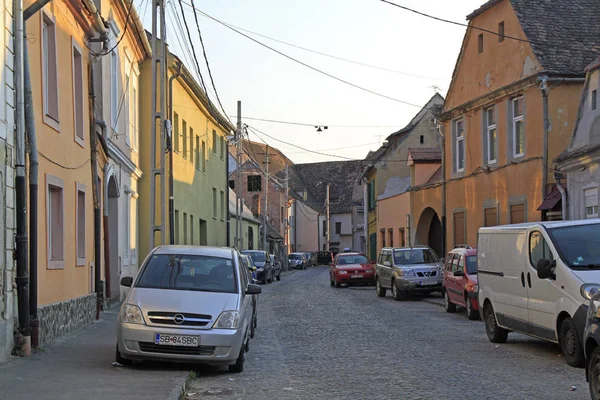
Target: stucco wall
{"type": "Point", "coordinates": [306, 227]}
{"type": "Point", "coordinates": [578, 181]}
{"type": "Point", "coordinates": [423, 172]}
{"type": "Point", "coordinates": [344, 238]}
{"type": "Point", "coordinates": [392, 215]}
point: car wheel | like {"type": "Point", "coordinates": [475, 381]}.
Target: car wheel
{"type": "Point", "coordinates": [337, 284]}
{"type": "Point", "coordinates": [495, 333]}
{"type": "Point", "coordinates": [570, 344]}
{"type": "Point", "coordinates": [378, 289]}
{"type": "Point", "coordinates": [331, 282]}
{"type": "Point", "coordinates": [593, 373]}
{"type": "Point", "coordinates": [120, 359]}
{"type": "Point", "coordinates": [264, 281]}
{"type": "Point", "coordinates": [396, 294]}
{"type": "Point", "coordinates": [471, 314]}
{"type": "Point", "coordinates": [239, 363]}
{"type": "Point", "coordinates": [279, 276]}
{"type": "Point", "coordinates": [448, 305]}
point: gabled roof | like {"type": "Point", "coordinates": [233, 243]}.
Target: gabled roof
{"type": "Point", "coordinates": [341, 175]}
{"type": "Point", "coordinates": [563, 34]}
{"type": "Point", "coordinates": [425, 154]}
{"type": "Point", "coordinates": [435, 178]}
{"type": "Point", "coordinates": [258, 153]}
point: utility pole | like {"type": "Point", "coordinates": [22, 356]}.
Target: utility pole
{"type": "Point", "coordinates": [239, 204]}
{"type": "Point", "coordinates": [328, 230]}
{"type": "Point", "coordinates": [266, 202]}
{"type": "Point", "coordinates": [158, 126]}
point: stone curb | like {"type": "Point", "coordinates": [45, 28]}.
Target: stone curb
{"type": "Point", "coordinates": [286, 273]}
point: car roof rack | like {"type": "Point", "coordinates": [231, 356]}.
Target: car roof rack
{"type": "Point", "coordinates": [462, 246]}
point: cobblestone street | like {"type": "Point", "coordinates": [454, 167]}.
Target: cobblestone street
{"type": "Point", "coordinates": [315, 341]}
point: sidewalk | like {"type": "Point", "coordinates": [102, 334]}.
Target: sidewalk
{"type": "Point", "coordinates": [79, 367]}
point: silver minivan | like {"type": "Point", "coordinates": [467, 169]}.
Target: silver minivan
{"type": "Point", "coordinates": [187, 304]}
{"type": "Point", "coordinates": [408, 270]}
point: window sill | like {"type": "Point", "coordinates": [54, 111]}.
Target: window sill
{"type": "Point", "coordinates": [79, 141]}
{"type": "Point", "coordinates": [52, 123]}
{"type": "Point", "coordinates": [56, 264]}
{"type": "Point", "coordinates": [215, 218]}
{"type": "Point", "coordinates": [518, 156]}
{"type": "Point", "coordinates": [81, 262]}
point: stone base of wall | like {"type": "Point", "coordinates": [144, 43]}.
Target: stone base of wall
{"type": "Point", "coordinates": [6, 340]}
{"type": "Point", "coordinates": [60, 319]}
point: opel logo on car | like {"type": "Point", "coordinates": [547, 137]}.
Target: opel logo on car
{"type": "Point", "coordinates": [178, 318]}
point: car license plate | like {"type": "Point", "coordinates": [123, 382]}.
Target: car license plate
{"type": "Point", "coordinates": [176, 340]}
{"type": "Point", "coordinates": [356, 276]}
{"type": "Point", "coordinates": [428, 283]}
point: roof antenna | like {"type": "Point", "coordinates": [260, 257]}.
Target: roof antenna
{"type": "Point", "coordinates": [436, 89]}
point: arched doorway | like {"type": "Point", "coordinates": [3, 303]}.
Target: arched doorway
{"type": "Point", "coordinates": [429, 231]}
{"type": "Point", "coordinates": [113, 237]}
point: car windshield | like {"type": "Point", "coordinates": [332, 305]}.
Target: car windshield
{"type": "Point", "coordinates": [295, 257]}
{"type": "Point", "coordinates": [345, 260]}
{"type": "Point", "coordinates": [471, 265]}
{"type": "Point", "coordinates": [257, 256]}
{"type": "Point", "coordinates": [189, 272]}
{"type": "Point", "coordinates": [414, 256]}
{"type": "Point", "coordinates": [578, 246]}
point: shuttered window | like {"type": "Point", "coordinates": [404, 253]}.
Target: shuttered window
{"type": "Point", "coordinates": [459, 228]}
{"type": "Point", "coordinates": [491, 216]}
{"type": "Point", "coordinates": [517, 213]}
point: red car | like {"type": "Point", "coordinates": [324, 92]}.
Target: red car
{"type": "Point", "coordinates": [460, 286]}
{"type": "Point", "coordinates": [350, 269]}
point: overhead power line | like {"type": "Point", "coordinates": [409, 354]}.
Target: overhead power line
{"type": "Point", "coordinates": [314, 125]}
{"type": "Point", "coordinates": [122, 36]}
{"type": "Point", "coordinates": [454, 22]}
{"type": "Point", "coordinates": [305, 64]}
{"type": "Point", "coordinates": [339, 148]}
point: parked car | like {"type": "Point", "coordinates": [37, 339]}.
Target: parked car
{"type": "Point", "coordinates": [536, 278]}
{"type": "Point", "coordinates": [250, 272]}
{"type": "Point", "coordinates": [460, 281]}
{"type": "Point", "coordinates": [591, 340]}
{"type": "Point", "coordinates": [188, 304]}
{"type": "Point", "coordinates": [350, 269]}
{"type": "Point", "coordinates": [297, 261]}
{"type": "Point", "coordinates": [263, 263]}
{"type": "Point", "coordinates": [324, 258]}
{"type": "Point", "coordinates": [311, 259]}
{"type": "Point", "coordinates": [408, 270]}
{"type": "Point", "coordinates": [276, 267]}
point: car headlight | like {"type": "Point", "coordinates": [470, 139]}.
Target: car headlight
{"type": "Point", "coordinates": [342, 272]}
{"type": "Point", "coordinates": [227, 320]}
{"type": "Point", "coordinates": [260, 269]}
{"type": "Point", "coordinates": [131, 314]}
{"type": "Point", "coordinates": [589, 290]}
{"type": "Point", "coordinates": [407, 272]}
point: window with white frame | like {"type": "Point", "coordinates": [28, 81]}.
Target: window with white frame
{"type": "Point", "coordinates": [126, 227]}
{"type": "Point", "coordinates": [126, 112]}
{"type": "Point", "coordinates": [590, 197]}
{"type": "Point", "coordinates": [518, 127]}
{"type": "Point", "coordinates": [78, 94]}
{"type": "Point", "coordinates": [114, 88]}
{"type": "Point", "coordinates": [81, 228]}
{"type": "Point", "coordinates": [492, 138]}
{"type": "Point", "coordinates": [134, 118]}
{"type": "Point", "coordinates": [459, 145]}
{"type": "Point", "coordinates": [55, 222]}
{"type": "Point", "coordinates": [49, 69]}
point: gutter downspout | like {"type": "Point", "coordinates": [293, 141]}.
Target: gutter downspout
{"type": "Point", "coordinates": [21, 252]}
{"type": "Point", "coordinates": [100, 27]}
{"type": "Point", "coordinates": [563, 195]}
{"type": "Point", "coordinates": [228, 233]}
{"type": "Point", "coordinates": [440, 130]}
{"type": "Point", "coordinates": [170, 149]}
{"type": "Point", "coordinates": [33, 200]}
{"type": "Point", "coordinates": [544, 88]}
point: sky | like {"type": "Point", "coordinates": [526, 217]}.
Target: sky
{"type": "Point", "coordinates": [422, 51]}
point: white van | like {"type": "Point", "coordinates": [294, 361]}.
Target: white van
{"type": "Point", "coordinates": [537, 279]}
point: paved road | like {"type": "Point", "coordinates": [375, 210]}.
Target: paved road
{"type": "Point", "coordinates": [79, 367]}
{"type": "Point", "coordinates": [318, 342]}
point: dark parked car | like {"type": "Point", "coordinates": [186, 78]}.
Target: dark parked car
{"type": "Point", "coordinates": [276, 267]}
{"type": "Point", "coordinates": [263, 263]}
{"type": "Point", "coordinates": [297, 261]}
{"type": "Point", "coordinates": [311, 258]}
{"type": "Point", "coordinates": [324, 257]}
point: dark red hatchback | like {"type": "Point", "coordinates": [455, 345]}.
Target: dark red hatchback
{"type": "Point", "coordinates": [460, 286]}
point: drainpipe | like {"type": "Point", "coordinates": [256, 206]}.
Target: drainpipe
{"type": "Point", "coordinates": [440, 130]}
{"type": "Point", "coordinates": [171, 194]}
{"type": "Point", "coordinates": [228, 233]}
{"type": "Point", "coordinates": [33, 200]}
{"type": "Point", "coordinates": [105, 234]}
{"type": "Point", "coordinates": [21, 253]}
{"type": "Point", "coordinates": [563, 195]}
{"type": "Point", "coordinates": [544, 88]}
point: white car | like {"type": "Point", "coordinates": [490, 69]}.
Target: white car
{"type": "Point", "coordinates": [537, 279]}
{"type": "Point", "coordinates": [187, 304]}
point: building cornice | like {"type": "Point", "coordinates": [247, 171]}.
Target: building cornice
{"type": "Point", "coordinates": [116, 153]}
{"type": "Point", "coordinates": [582, 161]}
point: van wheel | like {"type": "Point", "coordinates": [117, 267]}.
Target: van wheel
{"type": "Point", "coordinates": [448, 305]}
{"type": "Point", "coordinates": [570, 344]}
{"type": "Point", "coordinates": [378, 289]}
{"type": "Point", "coordinates": [495, 333]}
{"type": "Point", "coordinates": [396, 294]}
{"type": "Point", "coordinates": [593, 373]}
{"type": "Point", "coordinates": [471, 314]}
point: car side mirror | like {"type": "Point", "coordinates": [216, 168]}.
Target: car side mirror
{"type": "Point", "coordinates": [253, 289]}
{"type": "Point", "coordinates": [127, 281]}
{"type": "Point", "coordinates": [545, 269]}
{"type": "Point", "coordinates": [459, 273]}
{"type": "Point", "coordinates": [387, 263]}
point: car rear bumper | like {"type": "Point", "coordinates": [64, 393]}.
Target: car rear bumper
{"type": "Point", "coordinates": [347, 279]}
{"type": "Point", "coordinates": [217, 346]}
